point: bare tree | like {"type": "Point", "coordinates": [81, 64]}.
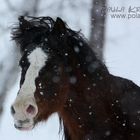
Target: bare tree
{"type": "Point", "coordinates": [98, 19]}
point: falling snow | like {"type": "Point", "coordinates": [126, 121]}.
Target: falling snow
{"type": "Point", "coordinates": [94, 84]}
{"type": "Point", "coordinates": [73, 80]}
{"type": "Point", "coordinates": [88, 88]}
{"type": "Point", "coordinates": [134, 124]}
{"type": "Point", "coordinates": [70, 100]}
{"type": "Point", "coordinates": [79, 118]}
{"type": "Point", "coordinates": [117, 101]}
{"type": "Point", "coordinates": [62, 35]}
{"type": "Point", "coordinates": [93, 66]}
{"type": "Point", "coordinates": [40, 84]}
{"type": "Point", "coordinates": [107, 133]}
{"type": "Point", "coordinates": [101, 78]}
{"type": "Point", "coordinates": [66, 54]}
{"type": "Point", "coordinates": [80, 43]}
{"type": "Point", "coordinates": [80, 126]}
{"type": "Point", "coordinates": [46, 39]}
{"type": "Point", "coordinates": [90, 113]}
{"type": "Point", "coordinates": [41, 93]}
{"type": "Point", "coordinates": [78, 65]}
{"type": "Point", "coordinates": [84, 75]}
{"type": "Point", "coordinates": [123, 124]}
{"type": "Point", "coordinates": [112, 104]}
{"type": "Point", "coordinates": [56, 79]}
{"type": "Point", "coordinates": [89, 107]}
{"type": "Point", "coordinates": [76, 49]}
{"type": "Point", "coordinates": [138, 112]}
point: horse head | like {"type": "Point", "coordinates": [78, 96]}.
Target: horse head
{"type": "Point", "coordinates": [42, 76]}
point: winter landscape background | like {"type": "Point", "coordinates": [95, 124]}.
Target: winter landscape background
{"type": "Point", "coordinates": [121, 54]}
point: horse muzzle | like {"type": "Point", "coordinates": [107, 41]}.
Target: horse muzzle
{"type": "Point", "coordinates": [24, 125]}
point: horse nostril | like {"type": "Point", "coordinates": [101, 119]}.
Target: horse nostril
{"type": "Point", "coordinates": [31, 109]}
{"type": "Point", "coordinates": [18, 127]}
{"type": "Point", "coordinates": [13, 110]}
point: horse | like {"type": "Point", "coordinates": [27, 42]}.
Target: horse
{"type": "Point", "coordinates": [60, 73]}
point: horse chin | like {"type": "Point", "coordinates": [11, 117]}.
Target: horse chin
{"type": "Point", "coordinates": [25, 128]}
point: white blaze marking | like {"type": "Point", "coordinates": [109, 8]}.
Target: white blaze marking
{"type": "Point", "coordinates": [37, 60]}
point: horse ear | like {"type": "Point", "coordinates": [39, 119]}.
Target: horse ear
{"type": "Point", "coordinates": [59, 26]}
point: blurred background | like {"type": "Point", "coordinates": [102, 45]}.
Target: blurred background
{"type": "Point", "coordinates": [111, 26]}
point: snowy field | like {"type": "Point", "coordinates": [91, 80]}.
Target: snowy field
{"type": "Point", "coordinates": [122, 57]}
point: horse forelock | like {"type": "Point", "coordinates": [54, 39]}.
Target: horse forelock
{"type": "Point", "coordinates": [31, 30]}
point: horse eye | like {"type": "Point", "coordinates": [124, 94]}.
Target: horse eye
{"type": "Point", "coordinates": [12, 110]}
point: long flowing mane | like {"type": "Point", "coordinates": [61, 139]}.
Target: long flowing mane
{"type": "Point", "coordinates": [29, 29]}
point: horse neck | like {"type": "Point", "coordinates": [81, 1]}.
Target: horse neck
{"type": "Point", "coordinates": [84, 65]}
{"type": "Point", "coordinates": [77, 113]}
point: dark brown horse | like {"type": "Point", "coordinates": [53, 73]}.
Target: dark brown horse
{"type": "Point", "coordinates": [60, 73]}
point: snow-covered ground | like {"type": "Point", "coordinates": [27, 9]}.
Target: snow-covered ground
{"type": "Point", "coordinates": [121, 56]}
